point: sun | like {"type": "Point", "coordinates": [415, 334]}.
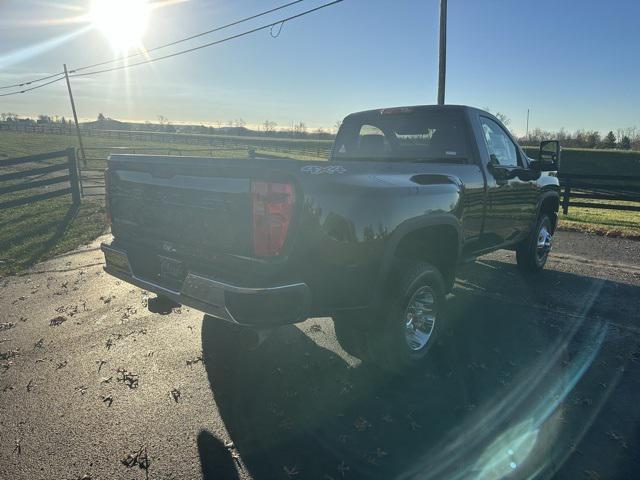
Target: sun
{"type": "Point", "coordinates": [123, 22]}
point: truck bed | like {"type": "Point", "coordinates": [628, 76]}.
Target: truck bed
{"type": "Point", "coordinates": [176, 216]}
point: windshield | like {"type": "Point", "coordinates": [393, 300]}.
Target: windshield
{"type": "Point", "coordinates": [403, 136]}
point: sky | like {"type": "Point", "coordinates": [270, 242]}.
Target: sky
{"type": "Point", "coordinates": [573, 64]}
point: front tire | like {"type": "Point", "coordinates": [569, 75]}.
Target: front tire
{"type": "Point", "coordinates": [532, 253]}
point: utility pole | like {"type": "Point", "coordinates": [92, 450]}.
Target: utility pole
{"type": "Point", "coordinates": [527, 124]}
{"type": "Point", "coordinates": [75, 116]}
{"type": "Point", "coordinates": [442, 70]}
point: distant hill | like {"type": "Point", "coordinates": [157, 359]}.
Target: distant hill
{"type": "Point", "coordinates": [107, 124]}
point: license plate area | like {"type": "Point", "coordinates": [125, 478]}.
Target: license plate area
{"type": "Point", "coordinates": [117, 261]}
{"type": "Point", "coordinates": [172, 272]}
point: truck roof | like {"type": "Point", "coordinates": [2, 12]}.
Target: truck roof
{"type": "Point", "coordinates": [414, 108]}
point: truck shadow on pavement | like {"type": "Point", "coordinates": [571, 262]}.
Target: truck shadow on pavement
{"type": "Point", "coordinates": [522, 371]}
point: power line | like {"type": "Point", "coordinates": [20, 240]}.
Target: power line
{"type": "Point", "coordinates": [170, 44]}
{"type": "Point", "coordinates": [210, 44]}
{"type": "Point", "coordinates": [37, 80]}
{"type": "Point", "coordinates": [33, 88]}
{"type": "Point", "coordinates": [186, 39]}
{"type": "Point", "coordinates": [199, 47]}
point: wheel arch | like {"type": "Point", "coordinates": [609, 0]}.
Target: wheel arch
{"type": "Point", "coordinates": [549, 202]}
{"type": "Point", "coordinates": [433, 239]}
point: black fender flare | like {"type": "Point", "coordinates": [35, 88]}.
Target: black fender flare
{"type": "Point", "coordinates": [543, 197]}
{"type": "Point", "coordinates": [389, 261]}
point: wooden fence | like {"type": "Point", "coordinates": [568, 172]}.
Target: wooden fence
{"type": "Point", "coordinates": [38, 177]}
{"type": "Point", "coordinates": [612, 188]}
{"type": "Point", "coordinates": [310, 147]}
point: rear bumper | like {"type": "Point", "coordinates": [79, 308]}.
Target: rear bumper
{"type": "Point", "coordinates": [283, 304]}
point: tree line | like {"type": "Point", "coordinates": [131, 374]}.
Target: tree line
{"type": "Point", "coordinates": [621, 138]}
{"type": "Point", "coordinates": [237, 126]}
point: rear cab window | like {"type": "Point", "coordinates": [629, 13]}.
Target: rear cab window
{"type": "Point", "coordinates": [404, 135]}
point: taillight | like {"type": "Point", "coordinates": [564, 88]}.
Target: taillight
{"type": "Point", "coordinates": [107, 207]}
{"type": "Point", "coordinates": [272, 213]}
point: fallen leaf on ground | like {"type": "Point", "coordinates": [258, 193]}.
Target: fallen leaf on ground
{"type": "Point", "coordinates": [59, 320]}
{"type": "Point", "coordinates": [140, 458]}
{"type": "Point", "coordinates": [361, 424]}
{"type": "Point", "coordinates": [175, 394]}
{"type": "Point", "coordinates": [343, 468]}
{"type": "Point", "coordinates": [128, 378]}
{"type": "Point", "coordinates": [100, 364]}
{"type": "Point", "coordinates": [9, 354]}
{"type": "Point", "coordinates": [291, 471]}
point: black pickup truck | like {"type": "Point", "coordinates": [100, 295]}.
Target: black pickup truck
{"type": "Point", "coordinates": [371, 237]}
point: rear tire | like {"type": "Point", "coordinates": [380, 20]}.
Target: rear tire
{"type": "Point", "coordinates": [533, 252]}
{"type": "Point", "coordinates": [407, 327]}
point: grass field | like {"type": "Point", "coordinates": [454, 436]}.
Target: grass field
{"type": "Point", "coordinates": [615, 223]}
{"type": "Point", "coordinates": [37, 231]}
{"type": "Point", "coordinates": [40, 230]}
{"type": "Point", "coordinates": [14, 144]}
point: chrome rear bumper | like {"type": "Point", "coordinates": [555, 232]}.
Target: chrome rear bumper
{"type": "Point", "coordinates": [281, 304]}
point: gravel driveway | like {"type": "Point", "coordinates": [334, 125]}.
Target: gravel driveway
{"type": "Point", "coordinates": [531, 372]}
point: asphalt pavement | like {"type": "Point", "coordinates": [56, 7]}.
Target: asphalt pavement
{"type": "Point", "coordinates": [534, 375]}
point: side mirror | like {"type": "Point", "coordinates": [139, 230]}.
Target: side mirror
{"type": "Point", "coordinates": [549, 156]}
{"type": "Point", "coordinates": [494, 168]}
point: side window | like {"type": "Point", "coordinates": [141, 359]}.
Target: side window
{"type": "Point", "coordinates": [498, 143]}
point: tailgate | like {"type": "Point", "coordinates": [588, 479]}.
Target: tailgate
{"type": "Point", "coordinates": [180, 204]}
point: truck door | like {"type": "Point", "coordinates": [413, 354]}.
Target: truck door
{"type": "Point", "coordinates": [512, 203]}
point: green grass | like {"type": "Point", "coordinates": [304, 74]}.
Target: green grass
{"type": "Point", "coordinates": [37, 231]}
{"type": "Point", "coordinates": [617, 223]}
{"type": "Point", "coordinates": [15, 144]}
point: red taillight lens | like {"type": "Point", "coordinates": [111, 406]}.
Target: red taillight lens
{"type": "Point", "coordinates": [107, 207]}
{"type": "Point", "coordinates": [272, 213]}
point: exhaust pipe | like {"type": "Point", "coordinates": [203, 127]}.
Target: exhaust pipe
{"type": "Point", "coordinates": [161, 305]}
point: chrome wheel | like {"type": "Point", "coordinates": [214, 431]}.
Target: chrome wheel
{"type": "Point", "coordinates": [420, 318]}
{"type": "Point", "coordinates": [543, 246]}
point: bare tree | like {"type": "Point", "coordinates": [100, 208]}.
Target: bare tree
{"type": "Point", "coordinates": [300, 129]}
{"type": "Point", "coordinates": [269, 126]}
{"type": "Point", "coordinates": [500, 116]}
{"type": "Point", "coordinates": [503, 118]}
